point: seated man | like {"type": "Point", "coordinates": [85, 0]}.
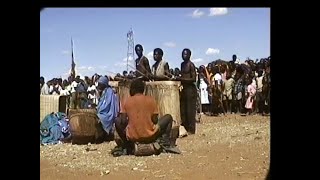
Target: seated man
{"type": "Point", "coordinates": [139, 121]}
{"type": "Point", "coordinates": [108, 105]}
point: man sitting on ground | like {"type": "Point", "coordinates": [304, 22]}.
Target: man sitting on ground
{"type": "Point", "coordinates": [138, 122]}
{"type": "Point", "coordinates": [108, 105]}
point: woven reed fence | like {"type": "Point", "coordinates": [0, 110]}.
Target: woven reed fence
{"type": "Point", "coordinates": [52, 103]}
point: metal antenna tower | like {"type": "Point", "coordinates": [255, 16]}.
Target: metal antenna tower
{"type": "Point", "coordinates": [130, 51]}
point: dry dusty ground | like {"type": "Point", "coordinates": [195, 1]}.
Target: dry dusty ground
{"type": "Point", "coordinates": [228, 147]}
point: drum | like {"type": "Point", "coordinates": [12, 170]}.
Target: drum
{"type": "Point", "coordinates": [124, 90]}
{"type": "Point", "coordinates": [85, 128]}
{"type": "Point", "coordinates": [115, 86]}
{"type": "Point", "coordinates": [75, 111]}
{"type": "Point", "coordinates": [146, 149]}
{"type": "Point", "coordinates": [166, 94]}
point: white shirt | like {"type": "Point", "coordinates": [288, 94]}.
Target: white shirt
{"type": "Point", "coordinates": [259, 84]}
{"type": "Point", "coordinates": [68, 88]}
{"type": "Point", "coordinates": [254, 83]}
{"type": "Point", "coordinates": [93, 95]}
{"type": "Point", "coordinates": [217, 77]}
{"type": "Point", "coordinates": [203, 92]}
{"type": "Point", "coordinates": [91, 88]}
{"type": "Point", "coordinates": [54, 92]}
{"type": "Point", "coordinates": [45, 89]}
{"type": "Point", "coordinates": [51, 89]}
{"type": "Point", "coordinates": [74, 85]}
{"type": "Point", "coordinates": [64, 92]}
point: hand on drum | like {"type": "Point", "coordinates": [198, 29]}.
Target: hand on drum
{"type": "Point", "coordinates": [176, 79]}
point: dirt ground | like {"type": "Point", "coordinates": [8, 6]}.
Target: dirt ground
{"type": "Point", "coordinates": [226, 147]}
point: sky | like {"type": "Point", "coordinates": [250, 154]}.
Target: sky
{"type": "Point", "coordinates": [100, 42]}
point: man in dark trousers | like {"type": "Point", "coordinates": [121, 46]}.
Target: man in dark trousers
{"type": "Point", "coordinates": [188, 96]}
{"type": "Point", "coordinates": [142, 63]}
{"type": "Point", "coordinates": [139, 122]}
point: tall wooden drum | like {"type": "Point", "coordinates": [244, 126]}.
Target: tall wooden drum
{"type": "Point", "coordinates": [166, 94]}
{"type": "Point", "coordinates": [115, 86]}
{"type": "Point", "coordinates": [124, 90]}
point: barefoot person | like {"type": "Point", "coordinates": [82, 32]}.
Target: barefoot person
{"type": "Point", "coordinates": [189, 93]}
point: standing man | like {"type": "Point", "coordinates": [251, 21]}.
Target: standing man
{"type": "Point", "coordinates": [44, 88]}
{"type": "Point", "coordinates": [259, 95]}
{"type": "Point", "coordinates": [188, 96]}
{"type": "Point", "coordinates": [232, 65]}
{"type": "Point", "coordinates": [160, 69]}
{"type": "Point", "coordinates": [82, 95]}
{"type": "Point", "coordinates": [73, 92]}
{"type": "Point", "coordinates": [142, 63]}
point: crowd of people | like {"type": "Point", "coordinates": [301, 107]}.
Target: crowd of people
{"type": "Point", "coordinates": [218, 88]}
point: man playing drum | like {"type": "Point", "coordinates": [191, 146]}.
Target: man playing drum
{"type": "Point", "coordinates": [160, 69]}
{"type": "Point", "coordinates": [142, 63]}
{"type": "Point", "coordinates": [139, 122]}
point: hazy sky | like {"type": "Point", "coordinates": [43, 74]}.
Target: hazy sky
{"type": "Point", "coordinates": [100, 36]}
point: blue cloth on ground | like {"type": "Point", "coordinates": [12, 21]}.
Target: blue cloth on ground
{"type": "Point", "coordinates": [54, 128]}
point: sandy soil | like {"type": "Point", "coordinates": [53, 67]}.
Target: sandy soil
{"type": "Point", "coordinates": [227, 147]}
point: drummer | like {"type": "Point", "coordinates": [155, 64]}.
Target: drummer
{"type": "Point", "coordinates": [160, 69]}
{"type": "Point", "coordinates": [188, 96]}
{"type": "Point", "coordinates": [139, 122]}
{"type": "Point", "coordinates": [142, 63]}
